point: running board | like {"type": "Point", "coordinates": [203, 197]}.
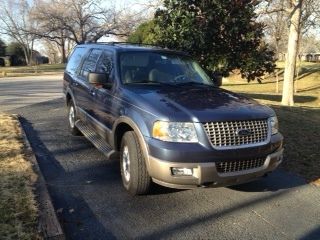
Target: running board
{"type": "Point", "coordinates": [96, 140]}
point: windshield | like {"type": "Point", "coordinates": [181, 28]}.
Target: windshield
{"type": "Point", "coordinates": [160, 68]}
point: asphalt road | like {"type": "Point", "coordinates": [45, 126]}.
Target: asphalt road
{"type": "Point", "coordinates": [91, 203]}
{"type": "Point", "coordinates": [18, 92]}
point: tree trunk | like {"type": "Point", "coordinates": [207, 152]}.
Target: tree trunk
{"type": "Point", "coordinates": [63, 51]}
{"type": "Point", "coordinates": [31, 54]}
{"type": "Point", "coordinates": [26, 55]}
{"type": "Point", "coordinates": [294, 27]}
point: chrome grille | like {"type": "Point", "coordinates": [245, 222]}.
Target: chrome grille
{"type": "Point", "coordinates": [226, 134]}
{"type": "Point", "coordinates": [239, 165]}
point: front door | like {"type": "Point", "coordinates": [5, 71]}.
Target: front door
{"type": "Point", "coordinates": [105, 101]}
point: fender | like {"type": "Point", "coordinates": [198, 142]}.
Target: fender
{"type": "Point", "coordinates": [69, 91]}
{"type": "Point", "coordinates": [134, 126]}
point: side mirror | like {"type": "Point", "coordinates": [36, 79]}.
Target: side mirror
{"type": "Point", "coordinates": [99, 79]}
{"type": "Point", "coordinates": [217, 79]}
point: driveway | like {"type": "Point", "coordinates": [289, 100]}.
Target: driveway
{"type": "Point", "coordinates": [91, 203]}
{"type": "Point", "coordinates": [18, 92]}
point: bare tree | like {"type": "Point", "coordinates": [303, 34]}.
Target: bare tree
{"type": "Point", "coordinates": [14, 22]}
{"type": "Point", "coordinates": [300, 16]}
{"type": "Point", "coordinates": [80, 21]}
{"type": "Point", "coordinates": [276, 28]}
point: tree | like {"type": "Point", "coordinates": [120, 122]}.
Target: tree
{"type": "Point", "coordinates": [16, 52]}
{"type": "Point", "coordinates": [14, 22]}
{"type": "Point", "coordinates": [84, 21]}
{"type": "Point", "coordinates": [276, 32]}
{"type": "Point", "coordinates": [144, 33]}
{"type": "Point", "coordinates": [2, 48]}
{"type": "Point", "coordinates": [222, 40]}
{"type": "Point", "coordinates": [290, 65]}
{"type": "Point", "coordinates": [300, 16]}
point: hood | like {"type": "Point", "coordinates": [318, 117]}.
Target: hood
{"type": "Point", "coordinates": [196, 103]}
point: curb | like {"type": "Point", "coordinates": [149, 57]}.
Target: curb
{"type": "Point", "coordinates": [49, 225]}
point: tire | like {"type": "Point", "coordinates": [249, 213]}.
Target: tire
{"type": "Point", "coordinates": [134, 173]}
{"type": "Point", "coordinates": [72, 118]}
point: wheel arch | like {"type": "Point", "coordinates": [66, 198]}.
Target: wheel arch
{"type": "Point", "coordinates": [69, 97]}
{"type": "Point", "coordinates": [124, 124]}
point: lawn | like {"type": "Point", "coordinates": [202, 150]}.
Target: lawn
{"type": "Point", "coordinates": [18, 209]}
{"type": "Point", "coordinates": [300, 124]}
{"type": "Point", "coordinates": [31, 70]}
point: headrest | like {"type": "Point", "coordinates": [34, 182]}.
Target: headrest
{"type": "Point", "coordinates": [134, 60]}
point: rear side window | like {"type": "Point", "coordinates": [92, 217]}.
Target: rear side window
{"type": "Point", "coordinates": [89, 65]}
{"type": "Point", "coordinates": [75, 59]}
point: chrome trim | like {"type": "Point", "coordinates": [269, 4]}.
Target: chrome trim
{"type": "Point", "coordinates": [276, 155]}
{"type": "Point", "coordinates": [240, 146]}
{"type": "Point", "coordinates": [227, 167]}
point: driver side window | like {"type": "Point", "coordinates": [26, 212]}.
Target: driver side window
{"type": "Point", "coordinates": [105, 64]}
{"type": "Point", "coordinates": [89, 64]}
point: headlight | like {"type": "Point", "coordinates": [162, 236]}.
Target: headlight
{"type": "Point", "coordinates": [274, 125]}
{"type": "Point", "coordinates": [174, 131]}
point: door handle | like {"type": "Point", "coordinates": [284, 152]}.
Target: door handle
{"type": "Point", "coordinates": [92, 92]}
{"type": "Point", "coordinates": [75, 83]}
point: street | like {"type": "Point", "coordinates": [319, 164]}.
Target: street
{"type": "Point", "coordinates": [91, 203]}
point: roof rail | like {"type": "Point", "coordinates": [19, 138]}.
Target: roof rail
{"type": "Point", "coordinates": [128, 43]}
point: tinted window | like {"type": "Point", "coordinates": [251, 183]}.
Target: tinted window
{"type": "Point", "coordinates": [89, 65]}
{"type": "Point", "coordinates": [105, 64]}
{"type": "Point", "coordinates": [160, 68]}
{"type": "Point", "coordinates": [75, 60]}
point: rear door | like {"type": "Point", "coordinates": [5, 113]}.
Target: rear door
{"type": "Point", "coordinates": [72, 71]}
{"type": "Point", "coordinates": [85, 90]}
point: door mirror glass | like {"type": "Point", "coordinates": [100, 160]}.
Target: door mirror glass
{"type": "Point", "coordinates": [99, 79]}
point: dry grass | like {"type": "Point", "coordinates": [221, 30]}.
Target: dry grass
{"type": "Point", "coordinates": [18, 209]}
{"type": "Point", "coordinates": [300, 125]}
{"type": "Point", "coordinates": [307, 86]}
{"type": "Point", "coordinates": [21, 71]}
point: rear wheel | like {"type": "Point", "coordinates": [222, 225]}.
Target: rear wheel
{"type": "Point", "coordinates": [134, 173]}
{"type": "Point", "coordinates": [72, 117]}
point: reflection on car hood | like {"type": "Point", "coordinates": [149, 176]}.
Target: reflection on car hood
{"type": "Point", "coordinates": [197, 103]}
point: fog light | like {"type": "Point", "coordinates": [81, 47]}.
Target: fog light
{"type": "Point", "coordinates": [181, 171]}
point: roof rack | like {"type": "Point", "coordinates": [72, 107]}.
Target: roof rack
{"type": "Point", "coordinates": [138, 44]}
{"type": "Point", "coordinates": [128, 43]}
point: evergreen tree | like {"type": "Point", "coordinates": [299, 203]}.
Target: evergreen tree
{"type": "Point", "coordinates": [2, 48]}
{"type": "Point", "coordinates": [222, 35]}
{"type": "Point", "coordinates": [143, 34]}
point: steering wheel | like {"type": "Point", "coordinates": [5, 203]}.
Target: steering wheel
{"type": "Point", "coordinates": [180, 77]}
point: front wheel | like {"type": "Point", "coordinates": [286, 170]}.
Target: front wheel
{"type": "Point", "coordinates": [134, 173]}
{"type": "Point", "coordinates": [72, 117]}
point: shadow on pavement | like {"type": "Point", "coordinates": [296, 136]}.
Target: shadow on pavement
{"type": "Point", "coordinates": [209, 217]}
{"type": "Point", "coordinates": [275, 181]}
{"type": "Point", "coordinates": [79, 222]}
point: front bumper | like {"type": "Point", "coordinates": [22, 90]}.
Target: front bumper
{"type": "Point", "coordinates": [206, 174]}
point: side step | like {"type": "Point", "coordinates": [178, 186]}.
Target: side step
{"type": "Point", "coordinates": [96, 140]}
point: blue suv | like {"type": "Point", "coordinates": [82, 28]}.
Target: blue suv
{"type": "Point", "coordinates": [166, 120]}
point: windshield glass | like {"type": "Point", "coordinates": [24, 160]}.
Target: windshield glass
{"type": "Point", "coordinates": [160, 68]}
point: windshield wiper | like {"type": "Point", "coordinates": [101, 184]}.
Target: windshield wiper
{"type": "Point", "coordinates": [152, 82]}
{"type": "Point", "coordinates": [192, 83]}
